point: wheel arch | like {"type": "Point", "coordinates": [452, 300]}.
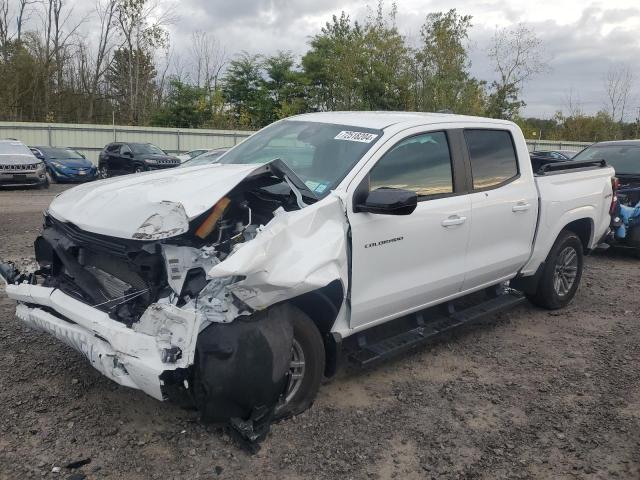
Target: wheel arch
{"type": "Point", "coordinates": [322, 307]}
{"type": "Point", "coordinates": [583, 228]}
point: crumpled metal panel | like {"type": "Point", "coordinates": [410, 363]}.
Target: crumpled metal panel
{"type": "Point", "coordinates": [295, 253]}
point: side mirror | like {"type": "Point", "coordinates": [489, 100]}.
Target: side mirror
{"type": "Point", "coordinates": [128, 154]}
{"type": "Point", "coordinates": [389, 201]}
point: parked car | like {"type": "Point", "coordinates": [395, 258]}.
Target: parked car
{"type": "Point", "coordinates": [541, 158]}
{"type": "Point", "coordinates": [19, 167]}
{"type": "Point", "coordinates": [193, 153]}
{"type": "Point", "coordinates": [207, 158]}
{"type": "Point", "coordinates": [325, 236]}
{"type": "Point", "coordinates": [119, 158]}
{"type": "Point", "coordinates": [65, 164]}
{"type": "Point", "coordinates": [556, 154]}
{"type": "Point", "coordinates": [624, 157]}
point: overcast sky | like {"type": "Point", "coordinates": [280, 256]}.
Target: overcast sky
{"type": "Point", "coordinates": [582, 38]}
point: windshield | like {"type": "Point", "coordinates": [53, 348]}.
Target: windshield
{"type": "Point", "coordinates": [60, 153]}
{"type": "Point", "coordinates": [14, 148]}
{"type": "Point", "coordinates": [204, 159]}
{"type": "Point", "coordinates": [623, 158]}
{"type": "Point", "coordinates": [148, 148]}
{"type": "Point", "coordinates": [321, 154]}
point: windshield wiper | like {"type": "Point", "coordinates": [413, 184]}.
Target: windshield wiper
{"type": "Point", "coordinates": [282, 171]}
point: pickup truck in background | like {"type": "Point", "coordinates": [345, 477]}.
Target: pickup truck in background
{"type": "Point", "coordinates": [624, 157]}
{"type": "Point", "coordinates": [322, 238]}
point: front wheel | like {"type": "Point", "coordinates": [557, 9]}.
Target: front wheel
{"type": "Point", "coordinates": [561, 274]}
{"type": "Point", "coordinates": [306, 368]}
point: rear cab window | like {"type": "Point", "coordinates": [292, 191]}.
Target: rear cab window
{"type": "Point", "coordinates": [492, 156]}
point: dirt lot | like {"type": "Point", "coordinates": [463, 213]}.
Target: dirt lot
{"type": "Point", "coordinates": [529, 394]}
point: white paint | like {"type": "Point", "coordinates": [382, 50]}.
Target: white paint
{"type": "Point", "coordinates": [119, 207]}
{"type": "Point", "coordinates": [428, 261]}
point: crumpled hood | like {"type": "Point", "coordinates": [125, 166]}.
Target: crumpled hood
{"type": "Point", "coordinates": [18, 159]}
{"type": "Point", "coordinates": [161, 202]}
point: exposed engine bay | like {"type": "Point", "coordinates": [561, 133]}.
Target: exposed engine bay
{"type": "Point", "coordinates": [194, 291]}
{"type": "Point", "coordinates": [123, 277]}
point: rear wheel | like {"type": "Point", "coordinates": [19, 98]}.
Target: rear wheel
{"type": "Point", "coordinates": [103, 172]}
{"type": "Point", "coordinates": [306, 368]}
{"type": "Point", "coordinates": [562, 273]}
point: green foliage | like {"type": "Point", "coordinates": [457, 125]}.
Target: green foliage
{"type": "Point", "coordinates": [185, 106]}
{"type": "Point", "coordinates": [131, 78]}
{"type": "Point", "coordinates": [442, 64]}
{"type": "Point", "coordinates": [349, 65]}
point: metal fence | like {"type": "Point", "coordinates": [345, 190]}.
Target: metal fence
{"type": "Point", "coordinates": [91, 139]}
{"type": "Point", "coordinates": [556, 145]}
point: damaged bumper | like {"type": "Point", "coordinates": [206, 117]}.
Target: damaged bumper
{"type": "Point", "coordinates": [133, 358]}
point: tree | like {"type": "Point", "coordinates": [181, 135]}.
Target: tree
{"type": "Point", "coordinates": [241, 89]}
{"type": "Point", "coordinates": [332, 65]}
{"type": "Point", "coordinates": [517, 56]}
{"type": "Point", "coordinates": [142, 27]}
{"type": "Point", "coordinates": [441, 66]}
{"type": "Point", "coordinates": [209, 58]}
{"type": "Point", "coordinates": [618, 83]}
{"type": "Point", "coordinates": [132, 70]}
{"type": "Point", "coordinates": [185, 106]}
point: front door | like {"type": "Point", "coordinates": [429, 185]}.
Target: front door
{"type": "Point", "coordinates": [403, 263]}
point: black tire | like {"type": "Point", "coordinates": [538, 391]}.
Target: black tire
{"type": "Point", "coordinates": [553, 291]}
{"type": "Point", "coordinates": [103, 172]}
{"type": "Point", "coordinates": [45, 184]}
{"type": "Point", "coordinates": [307, 337]}
{"type": "Point", "coordinates": [50, 177]}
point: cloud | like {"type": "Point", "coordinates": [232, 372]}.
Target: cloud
{"type": "Point", "coordinates": [582, 39]}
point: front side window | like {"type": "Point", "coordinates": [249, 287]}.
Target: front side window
{"type": "Point", "coordinates": [146, 148]}
{"type": "Point", "coordinates": [493, 157]}
{"type": "Point", "coordinates": [421, 163]}
{"type": "Point", "coordinates": [125, 149]}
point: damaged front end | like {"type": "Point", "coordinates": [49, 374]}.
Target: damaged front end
{"type": "Point", "coordinates": [189, 304]}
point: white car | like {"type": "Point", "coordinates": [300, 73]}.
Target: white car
{"type": "Point", "coordinates": [322, 237]}
{"type": "Point", "coordinates": [191, 154]}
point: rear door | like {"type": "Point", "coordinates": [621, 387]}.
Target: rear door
{"type": "Point", "coordinates": [402, 263]}
{"type": "Point", "coordinates": [504, 207]}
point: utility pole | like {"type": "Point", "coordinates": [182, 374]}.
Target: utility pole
{"type": "Point", "coordinates": [638, 124]}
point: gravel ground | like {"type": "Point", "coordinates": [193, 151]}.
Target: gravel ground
{"type": "Point", "coordinates": [527, 394]}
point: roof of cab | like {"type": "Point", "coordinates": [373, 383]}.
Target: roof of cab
{"type": "Point", "coordinates": [382, 120]}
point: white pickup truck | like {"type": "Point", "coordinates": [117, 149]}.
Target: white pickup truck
{"type": "Point", "coordinates": [323, 237]}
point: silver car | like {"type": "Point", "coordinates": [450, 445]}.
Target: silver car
{"type": "Point", "coordinates": [19, 167]}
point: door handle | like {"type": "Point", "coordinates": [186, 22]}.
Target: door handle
{"type": "Point", "coordinates": [453, 220]}
{"type": "Point", "coordinates": [521, 207]}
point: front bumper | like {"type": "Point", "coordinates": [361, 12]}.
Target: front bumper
{"type": "Point", "coordinates": [22, 179]}
{"type": "Point", "coordinates": [130, 357]}
{"type": "Point", "coordinates": [85, 175]}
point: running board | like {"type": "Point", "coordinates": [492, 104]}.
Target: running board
{"type": "Point", "coordinates": [408, 340]}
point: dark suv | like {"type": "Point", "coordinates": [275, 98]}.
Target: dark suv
{"type": "Point", "coordinates": [119, 158]}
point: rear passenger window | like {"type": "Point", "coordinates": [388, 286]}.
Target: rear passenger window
{"type": "Point", "coordinates": [421, 163]}
{"type": "Point", "coordinates": [493, 157]}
